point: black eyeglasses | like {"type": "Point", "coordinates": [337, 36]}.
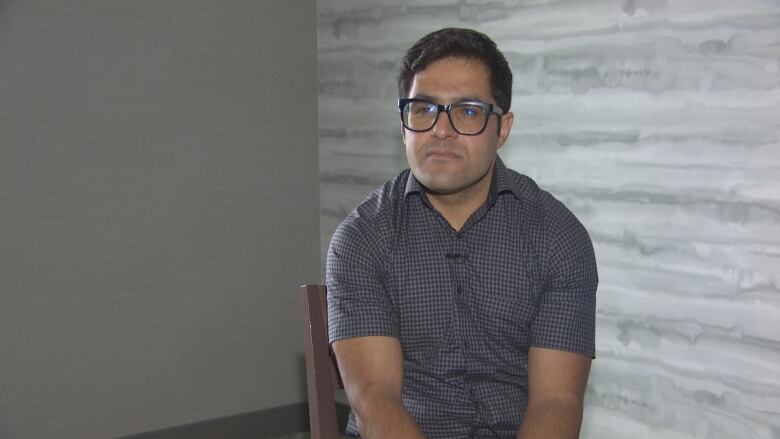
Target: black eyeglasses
{"type": "Point", "coordinates": [469, 117]}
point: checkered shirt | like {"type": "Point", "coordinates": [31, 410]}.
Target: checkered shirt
{"type": "Point", "coordinates": [466, 305]}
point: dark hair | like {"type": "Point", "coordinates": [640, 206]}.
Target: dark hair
{"type": "Point", "coordinates": [463, 43]}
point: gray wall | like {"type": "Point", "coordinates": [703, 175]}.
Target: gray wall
{"type": "Point", "coordinates": [656, 122]}
{"type": "Point", "coordinates": [158, 208]}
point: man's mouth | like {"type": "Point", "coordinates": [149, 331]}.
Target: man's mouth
{"type": "Point", "coordinates": [442, 154]}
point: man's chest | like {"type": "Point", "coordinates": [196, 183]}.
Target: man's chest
{"type": "Point", "coordinates": [475, 290]}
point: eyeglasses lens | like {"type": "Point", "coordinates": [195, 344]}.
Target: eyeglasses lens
{"type": "Point", "coordinates": [468, 119]}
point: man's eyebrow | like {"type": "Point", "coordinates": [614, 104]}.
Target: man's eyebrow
{"type": "Point", "coordinates": [468, 99]}
{"type": "Point", "coordinates": [457, 100]}
{"type": "Point", "coordinates": [424, 98]}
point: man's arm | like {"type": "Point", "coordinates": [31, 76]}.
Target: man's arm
{"type": "Point", "coordinates": [556, 387]}
{"type": "Point", "coordinates": [372, 371]}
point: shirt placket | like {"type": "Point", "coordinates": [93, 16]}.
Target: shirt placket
{"type": "Point", "coordinates": [463, 327]}
{"type": "Point", "coordinates": [457, 255]}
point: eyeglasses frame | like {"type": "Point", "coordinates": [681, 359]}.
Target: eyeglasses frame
{"type": "Point", "coordinates": [489, 108]}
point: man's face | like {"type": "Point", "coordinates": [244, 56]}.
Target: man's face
{"type": "Point", "coordinates": [444, 161]}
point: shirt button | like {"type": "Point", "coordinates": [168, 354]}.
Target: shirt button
{"type": "Point", "coordinates": [460, 290]}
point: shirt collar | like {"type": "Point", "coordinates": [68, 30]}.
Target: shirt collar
{"type": "Point", "coordinates": [501, 183]}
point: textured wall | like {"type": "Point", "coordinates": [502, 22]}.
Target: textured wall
{"type": "Point", "coordinates": [657, 123]}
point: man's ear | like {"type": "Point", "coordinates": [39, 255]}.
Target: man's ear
{"type": "Point", "coordinates": [505, 128]}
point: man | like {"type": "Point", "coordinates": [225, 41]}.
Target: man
{"type": "Point", "coordinates": [461, 297]}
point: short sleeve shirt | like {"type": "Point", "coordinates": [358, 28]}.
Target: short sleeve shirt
{"type": "Point", "coordinates": [466, 305]}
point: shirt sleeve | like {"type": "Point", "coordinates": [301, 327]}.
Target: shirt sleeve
{"type": "Point", "coordinates": [567, 304]}
{"type": "Point", "coordinates": [358, 305]}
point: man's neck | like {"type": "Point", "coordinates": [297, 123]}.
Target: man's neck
{"type": "Point", "coordinates": [457, 208]}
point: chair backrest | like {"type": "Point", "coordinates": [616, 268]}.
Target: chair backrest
{"type": "Point", "coordinates": [322, 374]}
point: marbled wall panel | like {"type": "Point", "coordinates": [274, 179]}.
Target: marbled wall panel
{"type": "Point", "coordinates": [658, 123]}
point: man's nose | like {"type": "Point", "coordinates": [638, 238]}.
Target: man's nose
{"type": "Point", "coordinates": [443, 128]}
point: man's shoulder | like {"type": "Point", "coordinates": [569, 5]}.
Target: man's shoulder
{"type": "Point", "coordinates": [377, 213]}
{"type": "Point", "coordinates": [552, 212]}
{"type": "Point", "coordinates": [533, 196]}
{"type": "Point", "coordinates": [384, 199]}
{"type": "Point", "coordinates": [555, 232]}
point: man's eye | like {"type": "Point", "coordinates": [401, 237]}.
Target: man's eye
{"type": "Point", "coordinates": [425, 109]}
{"type": "Point", "coordinates": [471, 111]}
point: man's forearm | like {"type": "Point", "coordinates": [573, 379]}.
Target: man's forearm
{"type": "Point", "coordinates": [381, 418]}
{"type": "Point", "coordinates": [552, 419]}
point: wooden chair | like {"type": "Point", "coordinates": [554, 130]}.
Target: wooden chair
{"type": "Point", "coordinates": [322, 374]}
